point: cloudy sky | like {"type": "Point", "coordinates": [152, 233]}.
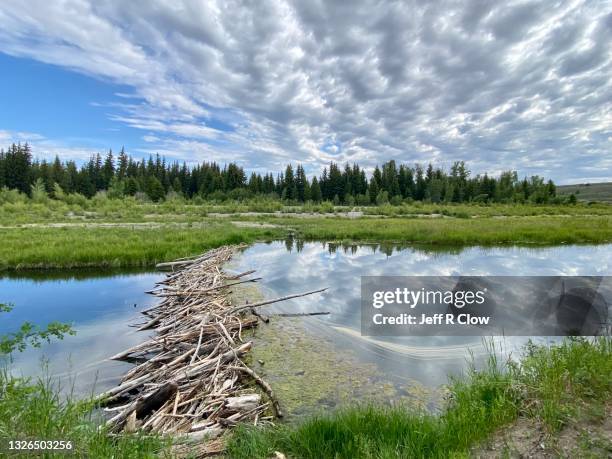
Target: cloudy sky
{"type": "Point", "coordinates": [506, 85]}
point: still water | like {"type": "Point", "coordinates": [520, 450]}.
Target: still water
{"type": "Point", "coordinates": [101, 305]}
{"type": "Point", "coordinates": [293, 266]}
{"type": "Point", "coordinates": [98, 304]}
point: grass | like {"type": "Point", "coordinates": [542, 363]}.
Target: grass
{"type": "Point", "coordinates": [35, 411]}
{"type": "Point", "coordinates": [19, 210]}
{"type": "Point", "coordinates": [114, 247]}
{"type": "Point", "coordinates": [553, 384]}
{"type": "Point", "coordinates": [71, 247]}
{"type": "Point", "coordinates": [52, 234]}
{"type": "Point", "coordinates": [543, 230]}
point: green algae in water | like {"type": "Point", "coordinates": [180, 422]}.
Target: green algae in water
{"type": "Point", "coordinates": [310, 374]}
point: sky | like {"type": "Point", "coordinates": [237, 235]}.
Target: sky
{"type": "Point", "coordinates": [522, 85]}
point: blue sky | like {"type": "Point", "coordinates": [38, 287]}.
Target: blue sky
{"type": "Point", "coordinates": [61, 104]}
{"type": "Point", "coordinates": [522, 85]}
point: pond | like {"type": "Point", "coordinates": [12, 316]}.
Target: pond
{"type": "Point", "coordinates": [99, 304]}
{"type": "Point", "coordinates": [295, 354]}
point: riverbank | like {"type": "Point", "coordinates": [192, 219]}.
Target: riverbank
{"type": "Point", "coordinates": [130, 245]}
{"type": "Point", "coordinates": [554, 404]}
{"type": "Point", "coordinates": [562, 388]}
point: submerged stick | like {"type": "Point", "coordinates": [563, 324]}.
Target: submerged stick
{"type": "Point", "coordinates": [301, 314]}
{"type": "Point", "coordinates": [275, 300]}
{"type": "Point", "coordinates": [264, 385]}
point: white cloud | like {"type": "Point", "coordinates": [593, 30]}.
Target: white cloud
{"type": "Point", "coordinates": [523, 85]}
{"type": "Point", "coordinates": [45, 148]}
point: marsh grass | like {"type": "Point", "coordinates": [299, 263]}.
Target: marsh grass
{"type": "Point", "coordinates": [115, 247]}
{"type": "Point", "coordinates": [16, 209]}
{"type": "Point", "coordinates": [552, 384]}
{"type": "Point", "coordinates": [544, 230]}
{"type": "Point", "coordinates": [133, 246]}
{"type": "Point", "coordinates": [35, 410]}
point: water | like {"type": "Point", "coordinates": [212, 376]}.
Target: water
{"type": "Point", "coordinates": [98, 304]}
{"type": "Point", "coordinates": [292, 266]}
{"type": "Point", "coordinates": [101, 305]}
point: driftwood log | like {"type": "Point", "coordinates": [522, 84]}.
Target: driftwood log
{"type": "Point", "coordinates": [191, 381]}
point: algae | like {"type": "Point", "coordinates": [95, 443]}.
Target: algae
{"type": "Point", "coordinates": [310, 374]}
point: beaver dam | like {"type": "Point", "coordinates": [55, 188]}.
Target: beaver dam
{"type": "Point", "coordinates": [190, 379]}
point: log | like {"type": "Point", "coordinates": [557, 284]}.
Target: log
{"type": "Point", "coordinates": [275, 300]}
{"type": "Point", "coordinates": [200, 435]}
{"type": "Point", "coordinates": [156, 399]}
{"type": "Point", "coordinates": [172, 264]}
{"type": "Point", "coordinates": [243, 402]}
{"type": "Point", "coordinates": [142, 407]}
{"type": "Point", "coordinates": [264, 385]}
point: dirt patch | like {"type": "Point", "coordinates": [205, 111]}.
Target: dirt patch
{"type": "Point", "coordinates": [587, 437]}
{"type": "Point", "coordinates": [255, 225]}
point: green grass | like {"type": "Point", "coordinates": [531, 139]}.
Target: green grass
{"type": "Point", "coordinates": [18, 210]}
{"type": "Point", "coordinates": [114, 247]}
{"type": "Point", "coordinates": [36, 411]}
{"type": "Point", "coordinates": [459, 232]}
{"type": "Point", "coordinates": [70, 247]}
{"type": "Point", "coordinates": [553, 384]}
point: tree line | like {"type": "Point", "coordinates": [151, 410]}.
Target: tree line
{"type": "Point", "coordinates": [154, 177]}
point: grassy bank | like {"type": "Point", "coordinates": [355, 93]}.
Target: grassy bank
{"type": "Point", "coordinates": [115, 247]}
{"type": "Point", "coordinates": [132, 245]}
{"type": "Point", "coordinates": [459, 232]}
{"type": "Point", "coordinates": [554, 387]}
{"type": "Point", "coordinates": [35, 411]}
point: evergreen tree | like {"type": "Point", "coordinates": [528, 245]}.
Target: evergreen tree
{"type": "Point", "coordinates": [315, 190]}
{"type": "Point", "coordinates": [108, 170]}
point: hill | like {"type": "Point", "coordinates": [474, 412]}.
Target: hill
{"type": "Point", "coordinates": [588, 191]}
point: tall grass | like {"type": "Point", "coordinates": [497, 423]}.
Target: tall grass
{"type": "Point", "coordinates": [48, 247]}
{"type": "Point", "coordinates": [37, 411]}
{"type": "Point", "coordinates": [18, 209]}
{"type": "Point", "coordinates": [550, 384]}
{"type": "Point", "coordinates": [115, 247]}
{"type": "Point", "coordinates": [459, 232]}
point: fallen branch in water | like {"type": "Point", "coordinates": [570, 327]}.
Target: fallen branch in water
{"type": "Point", "coordinates": [300, 314]}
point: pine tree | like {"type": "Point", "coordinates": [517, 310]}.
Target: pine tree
{"type": "Point", "coordinates": [289, 189]}
{"type": "Point", "coordinates": [315, 190]}
{"type": "Point", "coordinates": [122, 166]}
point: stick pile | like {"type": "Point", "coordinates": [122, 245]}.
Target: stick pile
{"type": "Point", "coordinates": [190, 379]}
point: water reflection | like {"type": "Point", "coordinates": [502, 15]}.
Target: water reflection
{"type": "Point", "coordinates": [292, 266]}
{"type": "Point", "coordinates": [99, 304]}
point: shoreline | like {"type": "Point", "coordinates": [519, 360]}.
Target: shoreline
{"type": "Point", "coordinates": [77, 247]}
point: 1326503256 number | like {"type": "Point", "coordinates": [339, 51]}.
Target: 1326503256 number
{"type": "Point", "coordinates": [39, 445]}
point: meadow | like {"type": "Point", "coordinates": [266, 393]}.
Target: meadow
{"type": "Point", "coordinates": [80, 232]}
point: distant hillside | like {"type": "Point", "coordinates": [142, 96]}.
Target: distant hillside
{"type": "Point", "coordinates": [588, 191]}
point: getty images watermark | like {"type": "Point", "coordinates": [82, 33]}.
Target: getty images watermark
{"type": "Point", "coordinates": [486, 306]}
